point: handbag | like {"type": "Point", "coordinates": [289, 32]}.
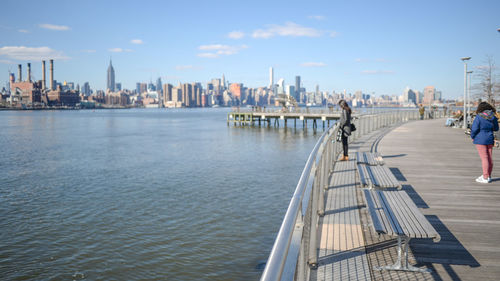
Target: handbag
{"type": "Point", "coordinates": [353, 128]}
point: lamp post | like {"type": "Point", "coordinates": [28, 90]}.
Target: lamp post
{"type": "Point", "coordinates": [469, 73]}
{"type": "Point", "coordinates": [465, 59]}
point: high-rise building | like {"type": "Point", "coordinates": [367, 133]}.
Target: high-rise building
{"type": "Point", "coordinates": [111, 77]}
{"type": "Point", "coordinates": [223, 82]}
{"type": "Point", "coordinates": [159, 87]}
{"type": "Point", "coordinates": [167, 92]}
{"type": "Point", "coordinates": [297, 87]}
{"type": "Point", "coordinates": [429, 92]}
{"type": "Point", "coordinates": [86, 89]}
{"type": "Point", "coordinates": [118, 86]}
{"type": "Point", "coordinates": [137, 88]}
{"type": "Point", "coordinates": [235, 90]}
{"type": "Point", "coordinates": [271, 77]}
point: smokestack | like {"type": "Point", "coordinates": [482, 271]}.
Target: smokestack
{"type": "Point", "coordinates": [19, 73]}
{"type": "Point", "coordinates": [52, 74]}
{"type": "Point", "coordinates": [29, 72]}
{"type": "Point", "coordinates": [43, 75]}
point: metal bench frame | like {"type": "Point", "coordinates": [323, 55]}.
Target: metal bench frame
{"type": "Point", "coordinates": [395, 229]}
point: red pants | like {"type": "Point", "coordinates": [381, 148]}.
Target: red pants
{"type": "Point", "coordinates": [485, 152]}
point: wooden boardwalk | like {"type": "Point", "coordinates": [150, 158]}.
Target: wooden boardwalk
{"type": "Point", "coordinates": [437, 167]}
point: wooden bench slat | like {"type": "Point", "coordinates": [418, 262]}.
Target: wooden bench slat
{"type": "Point", "coordinates": [430, 231]}
{"type": "Point", "coordinates": [391, 216]}
{"type": "Point", "coordinates": [404, 216]}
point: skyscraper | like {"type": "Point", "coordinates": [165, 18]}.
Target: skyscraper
{"type": "Point", "coordinates": [271, 77]}
{"type": "Point", "coordinates": [297, 87]}
{"type": "Point", "coordinates": [111, 77]}
{"type": "Point", "coordinates": [159, 87]}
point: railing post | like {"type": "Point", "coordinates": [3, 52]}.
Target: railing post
{"type": "Point", "coordinates": [313, 257]}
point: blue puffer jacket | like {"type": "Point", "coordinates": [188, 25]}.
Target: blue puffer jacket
{"type": "Point", "coordinates": [483, 126]}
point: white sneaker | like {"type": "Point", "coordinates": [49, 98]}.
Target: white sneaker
{"type": "Point", "coordinates": [483, 180]}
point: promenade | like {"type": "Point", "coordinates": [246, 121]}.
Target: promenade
{"type": "Point", "coordinates": [437, 167]}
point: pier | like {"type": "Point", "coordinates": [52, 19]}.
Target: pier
{"type": "Point", "coordinates": [275, 117]}
{"type": "Point", "coordinates": [327, 233]}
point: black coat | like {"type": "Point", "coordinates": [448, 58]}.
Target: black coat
{"type": "Point", "coordinates": [345, 123]}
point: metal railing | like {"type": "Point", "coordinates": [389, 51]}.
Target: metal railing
{"type": "Point", "coordinates": [295, 250]}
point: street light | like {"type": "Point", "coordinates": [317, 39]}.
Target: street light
{"type": "Point", "coordinates": [465, 59]}
{"type": "Point", "coordinates": [468, 93]}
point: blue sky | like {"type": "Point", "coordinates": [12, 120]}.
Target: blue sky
{"type": "Point", "coordinates": [375, 46]}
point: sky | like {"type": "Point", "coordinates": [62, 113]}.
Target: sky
{"type": "Point", "coordinates": [378, 47]}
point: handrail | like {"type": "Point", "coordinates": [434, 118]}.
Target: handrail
{"type": "Point", "coordinates": [279, 252]}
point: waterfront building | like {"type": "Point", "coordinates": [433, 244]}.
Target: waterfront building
{"type": "Point", "coordinates": [25, 92]}
{"type": "Point", "coordinates": [118, 86]}
{"type": "Point", "coordinates": [235, 89]}
{"type": "Point", "coordinates": [111, 77]}
{"type": "Point", "coordinates": [429, 92]}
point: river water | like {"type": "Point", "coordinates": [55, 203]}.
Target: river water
{"type": "Point", "coordinates": [142, 194]}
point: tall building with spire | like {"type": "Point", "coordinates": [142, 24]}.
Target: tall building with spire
{"type": "Point", "coordinates": [111, 77]}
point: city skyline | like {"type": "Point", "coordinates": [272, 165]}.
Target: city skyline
{"type": "Point", "coordinates": [380, 48]}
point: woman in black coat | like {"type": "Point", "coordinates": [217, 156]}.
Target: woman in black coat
{"type": "Point", "coordinates": [345, 127]}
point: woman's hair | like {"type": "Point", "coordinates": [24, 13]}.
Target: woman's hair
{"type": "Point", "coordinates": [343, 104]}
{"type": "Point", "coordinates": [485, 106]}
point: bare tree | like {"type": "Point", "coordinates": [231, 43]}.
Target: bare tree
{"type": "Point", "coordinates": [487, 87]}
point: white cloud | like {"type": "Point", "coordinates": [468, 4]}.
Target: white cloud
{"type": "Point", "coordinates": [217, 50]}
{"type": "Point", "coordinates": [207, 55]}
{"type": "Point", "coordinates": [89, 51]}
{"type": "Point", "coordinates": [54, 27]}
{"type": "Point", "coordinates": [31, 53]}
{"type": "Point", "coordinates": [136, 41]}
{"type": "Point", "coordinates": [7, 62]}
{"type": "Point", "coordinates": [119, 50]}
{"type": "Point", "coordinates": [288, 29]}
{"type": "Point", "coordinates": [334, 33]}
{"type": "Point", "coordinates": [376, 72]}
{"type": "Point", "coordinates": [317, 17]}
{"type": "Point", "coordinates": [313, 64]}
{"type": "Point", "coordinates": [23, 31]}
{"type": "Point", "coordinates": [236, 34]}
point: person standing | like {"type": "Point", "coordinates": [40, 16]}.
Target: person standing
{"type": "Point", "coordinates": [421, 110]}
{"type": "Point", "coordinates": [482, 134]}
{"type": "Point", "coordinates": [345, 127]}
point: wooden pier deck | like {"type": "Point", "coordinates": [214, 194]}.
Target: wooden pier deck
{"type": "Point", "coordinates": [259, 117]}
{"type": "Point", "coordinates": [437, 166]}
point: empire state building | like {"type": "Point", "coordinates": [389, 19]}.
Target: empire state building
{"type": "Point", "coordinates": [111, 77]}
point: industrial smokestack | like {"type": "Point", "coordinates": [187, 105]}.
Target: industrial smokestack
{"type": "Point", "coordinates": [29, 72]}
{"type": "Point", "coordinates": [43, 75]}
{"type": "Point", "coordinates": [19, 73]}
{"type": "Point", "coordinates": [52, 74]}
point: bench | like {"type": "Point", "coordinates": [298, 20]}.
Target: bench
{"type": "Point", "coordinates": [373, 173]}
{"type": "Point", "coordinates": [394, 213]}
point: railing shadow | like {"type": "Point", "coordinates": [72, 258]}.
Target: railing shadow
{"type": "Point", "coordinates": [397, 173]}
{"type": "Point", "coordinates": [447, 252]}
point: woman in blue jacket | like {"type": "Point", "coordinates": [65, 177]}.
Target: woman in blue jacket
{"type": "Point", "coordinates": [482, 133]}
